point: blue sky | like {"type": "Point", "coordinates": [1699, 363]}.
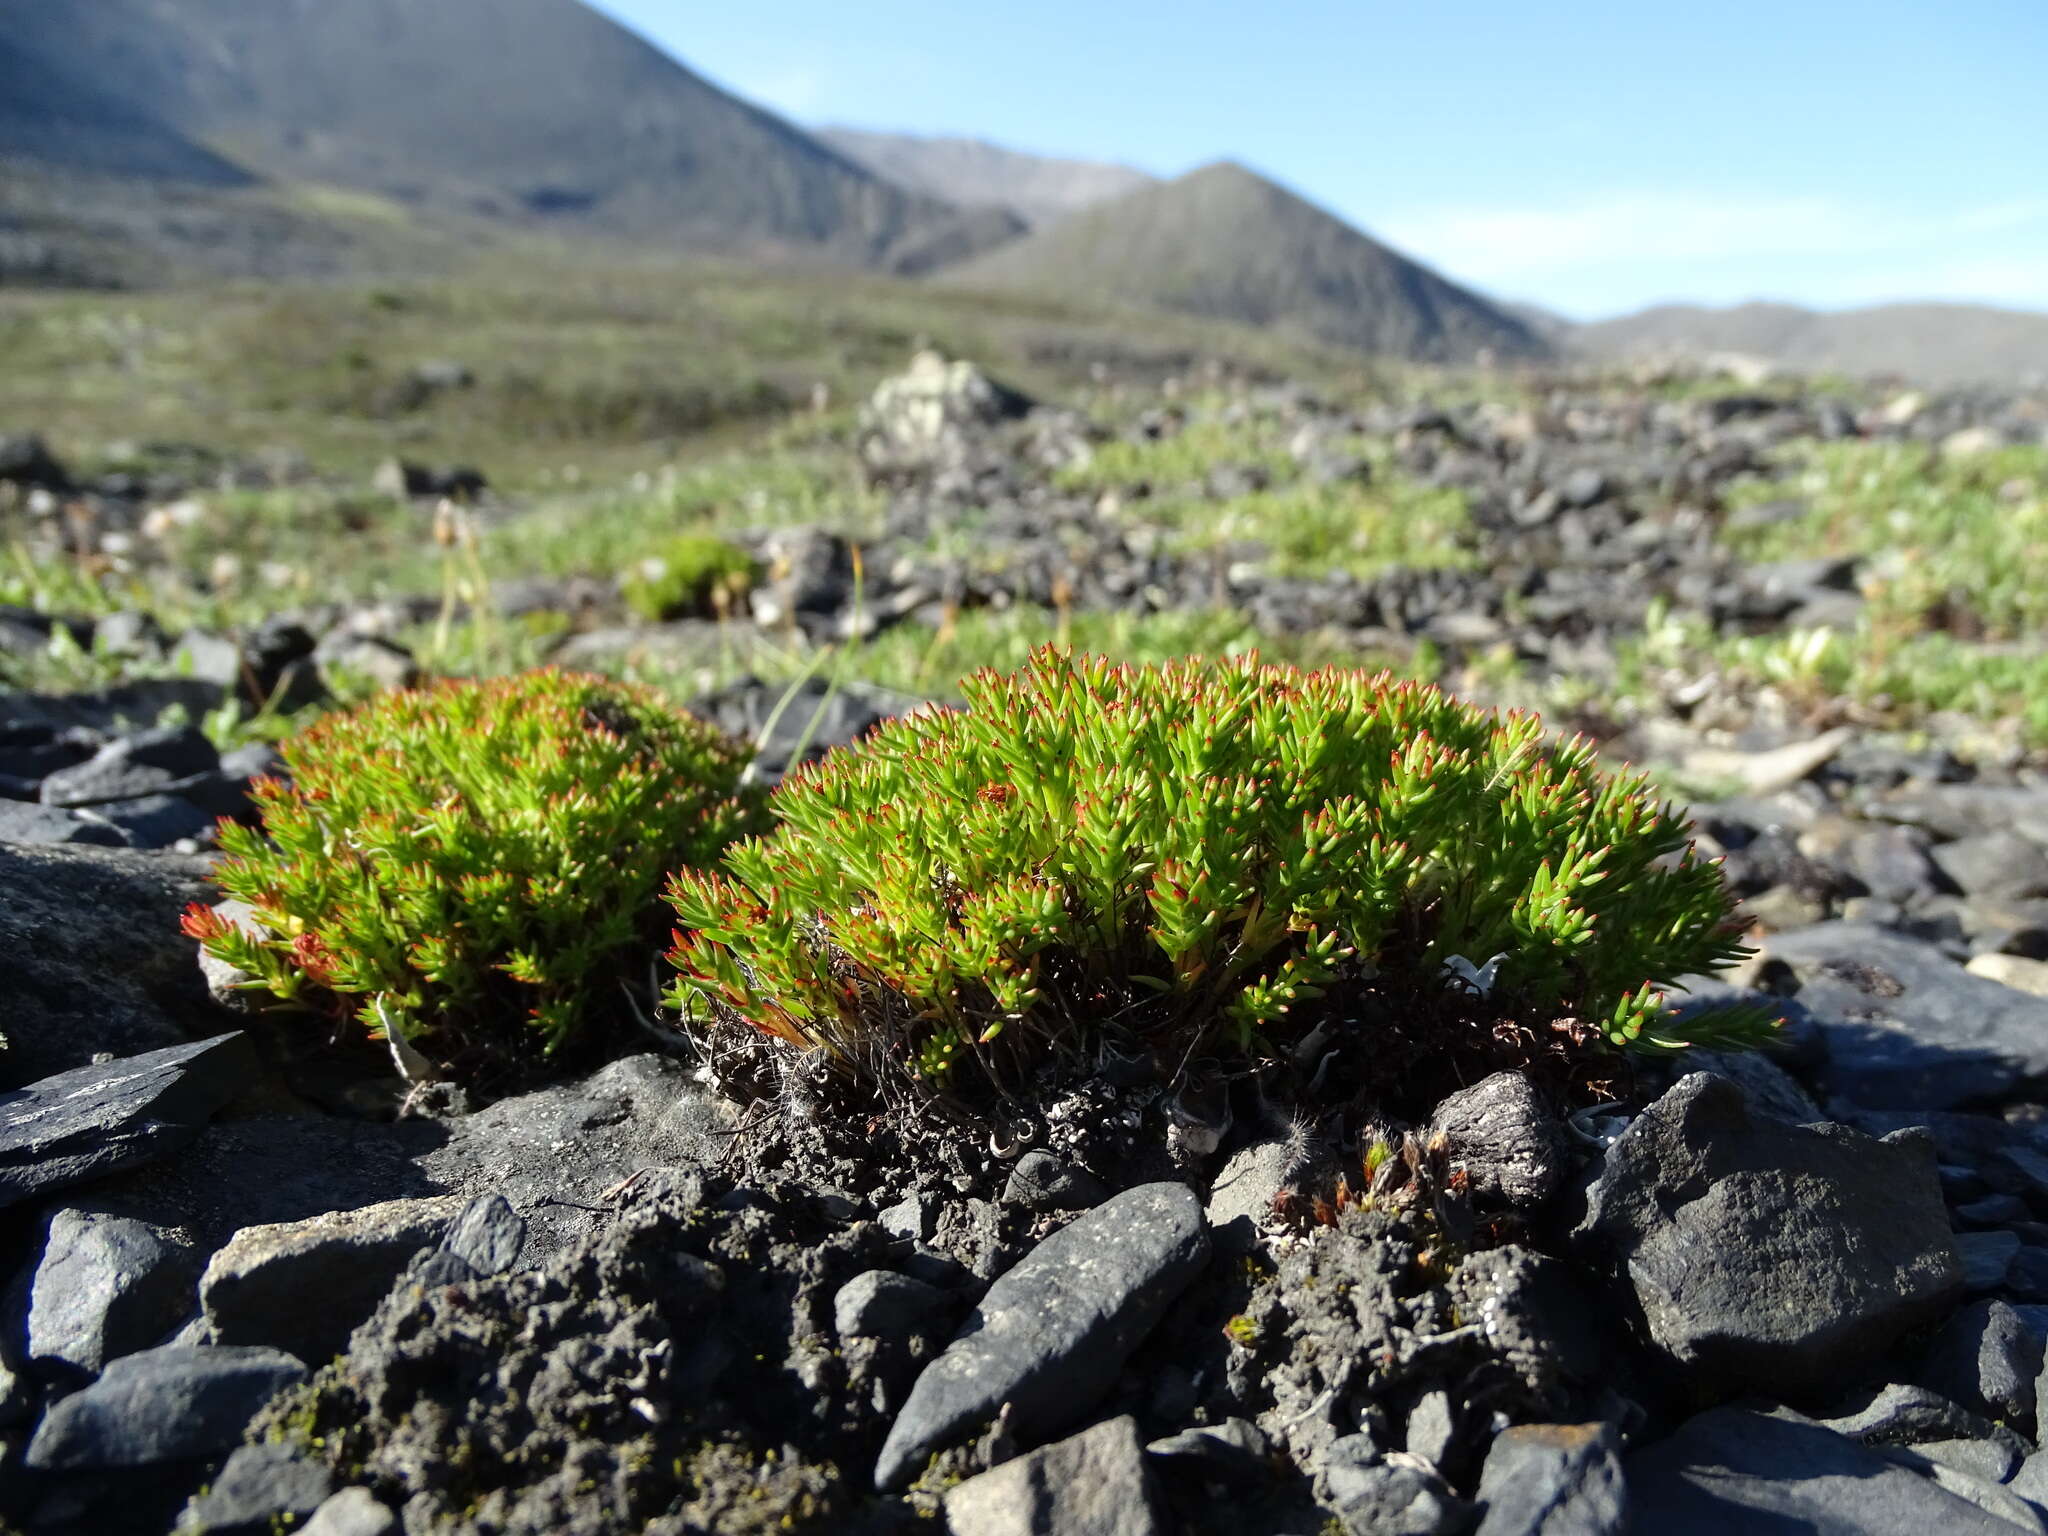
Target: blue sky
{"type": "Point", "coordinates": [1590, 157]}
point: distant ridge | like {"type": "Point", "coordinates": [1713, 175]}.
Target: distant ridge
{"type": "Point", "coordinates": [1040, 189]}
{"type": "Point", "coordinates": [1226, 243]}
{"type": "Point", "coordinates": [527, 111]}
{"type": "Point", "coordinates": [1938, 343]}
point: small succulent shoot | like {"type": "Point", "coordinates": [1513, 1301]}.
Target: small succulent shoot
{"type": "Point", "coordinates": [1217, 858]}
{"type": "Point", "coordinates": [471, 865]}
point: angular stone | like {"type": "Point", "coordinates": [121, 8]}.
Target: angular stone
{"type": "Point", "coordinates": [1730, 1470]}
{"type": "Point", "coordinates": [1985, 1257]}
{"type": "Point", "coordinates": [1040, 1181]}
{"type": "Point", "coordinates": [1096, 1483]}
{"type": "Point", "coordinates": [167, 1404]}
{"type": "Point", "coordinates": [23, 822]}
{"type": "Point", "coordinates": [881, 1304]}
{"type": "Point", "coordinates": [1766, 1254]}
{"type": "Point", "coordinates": [352, 1512]}
{"type": "Point", "coordinates": [1995, 864]}
{"type": "Point", "coordinates": [1376, 1497]}
{"type": "Point", "coordinates": [105, 1285]}
{"type": "Point", "coordinates": [149, 762]}
{"type": "Point", "coordinates": [1906, 1027]}
{"type": "Point", "coordinates": [1554, 1480]}
{"type": "Point", "coordinates": [151, 821]}
{"type": "Point", "coordinates": [1771, 1090]}
{"type": "Point", "coordinates": [1050, 1336]}
{"type": "Point", "coordinates": [1985, 1359]}
{"type": "Point", "coordinates": [1236, 1453]}
{"type": "Point", "coordinates": [263, 1488]}
{"type": "Point", "coordinates": [303, 1286]}
{"type": "Point", "coordinates": [1506, 1139]}
{"type": "Point", "coordinates": [555, 1151]}
{"type": "Point", "coordinates": [95, 1120]}
{"type": "Point", "coordinates": [94, 958]}
{"type": "Point", "coordinates": [1241, 1199]}
{"type": "Point", "coordinates": [487, 1235]}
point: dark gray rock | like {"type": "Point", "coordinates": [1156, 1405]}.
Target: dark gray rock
{"type": "Point", "coordinates": [881, 1304]}
{"type": "Point", "coordinates": [1040, 1181]}
{"type": "Point", "coordinates": [1096, 1483]}
{"type": "Point", "coordinates": [1241, 1199]}
{"type": "Point", "coordinates": [1506, 1139]}
{"type": "Point", "coordinates": [1901, 1414]}
{"type": "Point", "coordinates": [1985, 1359]}
{"type": "Point", "coordinates": [97, 1120]}
{"type": "Point", "coordinates": [23, 822]}
{"type": "Point", "coordinates": [261, 1489]}
{"type": "Point", "coordinates": [303, 1286]}
{"type": "Point", "coordinates": [1377, 1497]}
{"type": "Point", "coordinates": [1771, 1090]}
{"type": "Point", "coordinates": [914, 1218]}
{"type": "Point", "coordinates": [1236, 1453]}
{"type": "Point", "coordinates": [95, 961]}
{"type": "Point", "coordinates": [816, 717]}
{"type": "Point", "coordinates": [1906, 1027]}
{"type": "Point", "coordinates": [167, 1404]}
{"type": "Point", "coordinates": [1050, 1336]}
{"type": "Point", "coordinates": [1554, 1480]}
{"type": "Point", "coordinates": [1985, 1257]}
{"type": "Point", "coordinates": [1995, 864]}
{"type": "Point", "coordinates": [105, 1285]}
{"type": "Point", "coordinates": [553, 1153]}
{"type": "Point", "coordinates": [487, 1235]}
{"type": "Point", "coordinates": [2031, 1481]}
{"type": "Point", "coordinates": [352, 1512]}
{"type": "Point", "coordinates": [1994, 1461]}
{"type": "Point", "coordinates": [1764, 1254]}
{"type": "Point", "coordinates": [152, 762]}
{"type": "Point", "coordinates": [1731, 1469]}
{"type": "Point", "coordinates": [151, 821]}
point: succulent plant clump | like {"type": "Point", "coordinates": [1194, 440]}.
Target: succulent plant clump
{"type": "Point", "coordinates": [693, 575]}
{"type": "Point", "coordinates": [469, 866]}
{"type": "Point", "coordinates": [1225, 861]}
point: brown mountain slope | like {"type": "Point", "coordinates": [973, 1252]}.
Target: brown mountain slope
{"type": "Point", "coordinates": [1226, 243]}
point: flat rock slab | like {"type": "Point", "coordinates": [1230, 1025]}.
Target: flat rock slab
{"type": "Point", "coordinates": [554, 1152]}
{"type": "Point", "coordinates": [168, 1404]}
{"type": "Point", "coordinates": [303, 1286]}
{"type": "Point", "coordinates": [1769, 1255]}
{"type": "Point", "coordinates": [94, 959]}
{"type": "Point", "coordinates": [1095, 1483]}
{"type": "Point", "coordinates": [97, 1120]}
{"type": "Point", "coordinates": [1906, 1027]}
{"type": "Point", "coordinates": [1050, 1336]}
{"type": "Point", "coordinates": [1734, 1470]}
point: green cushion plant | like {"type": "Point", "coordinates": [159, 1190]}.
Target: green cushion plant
{"type": "Point", "coordinates": [1214, 858]}
{"type": "Point", "coordinates": [693, 575]}
{"type": "Point", "coordinates": [471, 865]}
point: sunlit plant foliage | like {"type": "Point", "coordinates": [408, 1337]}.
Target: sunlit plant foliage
{"type": "Point", "coordinates": [471, 865]}
{"type": "Point", "coordinates": [1218, 857]}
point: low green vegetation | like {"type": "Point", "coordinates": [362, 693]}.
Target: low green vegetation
{"type": "Point", "coordinates": [472, 867]}
{"type": "Point", "coordinates": [1210, 858]}
{"type": "Point", "coordinates": [1228, 478]}
{"type": "Point", "coordinates": [693, 575]}
{"type": "Point", "coordinates": [1951, 540]}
